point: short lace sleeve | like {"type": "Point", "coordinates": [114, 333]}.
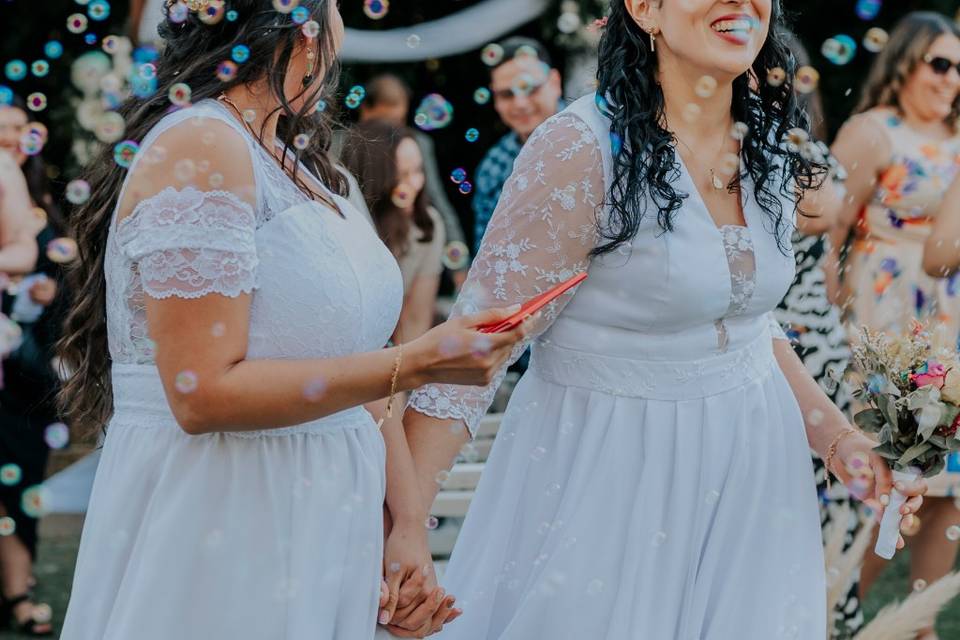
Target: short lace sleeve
{"type": "Point", "coordinates": [190, 243]}
{"type": "Point", "coordinates": [776, 329]}
{"type": "Point", "coordinates": [541, 234]}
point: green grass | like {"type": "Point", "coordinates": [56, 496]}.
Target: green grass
{"type": "Point", "coordinates": [57, 554]}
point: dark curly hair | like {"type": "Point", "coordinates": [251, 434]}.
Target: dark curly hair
{"type": "Point", "coordinates": [646, 166]}
{"type": "Point", "coordinates": [190, 54]}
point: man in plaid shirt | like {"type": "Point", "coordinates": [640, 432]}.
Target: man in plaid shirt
{"type": "Point", "coordinates": [526, 91]}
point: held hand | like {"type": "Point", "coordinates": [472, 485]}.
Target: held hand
{"type": "Point", "coordinates": [868, 478]}
{"type": "Point", "coordinates": [456, 353]}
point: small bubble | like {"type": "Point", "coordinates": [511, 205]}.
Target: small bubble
{"type": "Point", "coordinates": [56, 435]}
{"type": "Point", "coordinates": [301, 141]}
{"type": "Point", "coordinates": [456, 255]}
{"type": "Point", "coordinates": [413, 41]}
{"type": "Point", "coordinates": [706, 86]}
{"type": "Point", "coordinates": [285, 6]}
{"type": "Point", "coordinates": [594, 587]}
{"type": "Point", "coordinates": [62, 250]}
{"type": "Point", "coordinates": [76, 23]}
{"type": "Point", "coordinates": [538, 453]}
{"type": "Point", "coordinates": [919, 584]}
{"type": "Point", "coordinates": [186, 382]}
{"type": "Point", "coordinates": [481, 95]}
{"type": "Point", "coordinates": [7, 526]}
{"type": "Point", "coordinates": [431, 523]}
{"type": "Point", "coordinates": [492, 54]}
{"type": "Point", "coordinates": [227, 71]}
{"type": "Point", "coordinates": [472, 135]}
{"type": "Point", "coordinates": [953, 533]}
{"type": "Point", "coordinates": [659, 538]}
{"type": "Point", "coordinates": [180, 94]}
{"type": "Point", "coordinates": [240, 53]}
{"type": "Point", "coordinates": [465, 187]}
{"type": "Point", "coordinates": [10, 474]}
{"type": "Point", "coordinates": [314, 389]}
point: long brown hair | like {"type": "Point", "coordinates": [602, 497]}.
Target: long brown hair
{"type": "Point", "coordinates": [909, 42]}
{"type": "Point", "coordinates": [370, 154]}
{"type": "Point", "coordinates": [191, 54]}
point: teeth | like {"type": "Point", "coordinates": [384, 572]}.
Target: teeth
{"type": "Point", "coordinates": [732, 25]}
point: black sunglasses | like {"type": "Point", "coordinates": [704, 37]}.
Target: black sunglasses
{"type": "Point", "coordinates": [941, 66]}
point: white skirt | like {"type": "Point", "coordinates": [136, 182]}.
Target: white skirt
{"type": "Point", "coordinates": [269, 535]}
{"type": "Point", "coordinates": [615, 510]}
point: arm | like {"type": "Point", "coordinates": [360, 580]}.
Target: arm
{"type": "Point", "coordinates": [819, 209]}
{"type": "Point", "coordinates": [18, 244]}
{"type": "Point", "coordinates": [197, 259]}
{"type": "Point", "coordinates": [941, 252]}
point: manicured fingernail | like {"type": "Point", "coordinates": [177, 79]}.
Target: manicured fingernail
{"type": "Point", "coordinates": [884, 499]}
{"type": "Point", "coordinates": [384, 617]}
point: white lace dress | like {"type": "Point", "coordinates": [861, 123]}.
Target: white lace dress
{"type": "Point", "coordinates": [651, 478]}
{"type": "Point", "coordinates": [248, 536]}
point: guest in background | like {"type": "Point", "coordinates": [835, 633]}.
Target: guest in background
{"type": "Point", "coordinates": [145, 16]}
{"type": "Point", "coordinates": [389, 167]}
{"type": "Point", "coordinates": [18, 250]}
{"type": "Point", "coordinates": [526, 91]}
{"type": "Point", "coordinates": [941, 252]}
{"type": "Point", "coordinates": [388, 100]}
{"type": "Point", "coordinates": [818, 337]}
{"type": "Point", "coordinates": [902, 151]}
{"type": "Point", "coordinates": [27, 409]}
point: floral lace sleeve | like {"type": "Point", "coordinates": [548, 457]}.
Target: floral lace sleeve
{"type": "Point", "coordinates": [776, 329]}
{"type": "Point", "coordinates": [541, 234]}
{"type": "Point", "coordinates": [190, 243]}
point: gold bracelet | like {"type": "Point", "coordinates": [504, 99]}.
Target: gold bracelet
{"type": "Point", "coordinates": [393, 384]}
{"type": "Point", "coordinates": [832, 451]}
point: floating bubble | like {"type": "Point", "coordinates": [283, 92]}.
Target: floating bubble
{"type": "Point", "coordinates": [807, 79]}
{"type": "Point", "coordinates": [186, 382]}
{"type": "Point", "coordinates": [240, 53]}
{"type": "Point", "coordinates": [310, 29]}
{"type": "Point", "coordinates": [31, 144]}
{"type": "Point", "coordinates": [413, 41]}
{"type": "Point", "coordinates": [538, 453]}
{"type": "Point", "coordinates": [442, 477]}
{"type": "Point", "coordinates": [56, 435]}
{"type": "Point", "coordinates": [285, 6]}
{"type": "Point", "coordinates": [919, 584]}
{"type": "Point", "coordinates": [465, 187]}
{"type": "Point", "coordinates": [868, 9]}
{"type": "Point", "coordinates": [776, 77]}
{"type": "Point", "coordinates": [15, 70]}
{"type": "Point", "coordinates": [321, 106]}
{"type": "Point", "coordinates": [568, 22]}
{"type": "Point", "coordinates": [227, 70]}
{"type": "Point", "coordinates": [481, 95]}
{"type": "Point", "coordinates": [77, 23]}
{"type": "Point", "coordinates": [314, 389]}
{"type": "Point", "coordinates": [42, 613]}
{"type": "Point", "coordinates": [185, 170]}
{"type": "Point", "coordinates": [434, 112]}
{"type": "Point", "coordinates": [10, 474]}
{"type": "Point", "coordinates": [458, 175]}
{"type": "Point", "coordinates": [301, 141]}
{"type": "Point", "coordinates": [706, 86]}
{"type": "Point", "coordinates": [213, 13]}
{"type": "Point", "coordinates": [178, 13]}
{"type": "Point", "coordinates": [98, 10]}
{"type": "Point", "coordinates": [659, 538]}
{"type": "Point", "coordinates": [62, 250]}
{"type": "Point", "coordinates": [124, 153]}
{"type": "Point", "coordinates": [147, 71]}
{"type": "Point", "coordinates": [249, 115]}
{"type": "Point", "coordinates": [180, 94]}
{"type": "Point", "coordinates": [34, 502]}
{"type": "Point", "coordinates": [740, 131]}
{"type": "Point", "coordinates": [7, 526]}
{"type": "Point", "coordinates": [90, 38]}
{"type": "Point", "coordinates": [37, 101]}
{"type": "Point", "coordinates": [6, 94]}
{"type": "Point", "coordinates": [713, 496]}
{"type": "Point", "coordinates": [403, 196]}
{"type": "Point", "coordinates": [839, 49]}
{"type": "Point", "coordinates": [300, 15]}
{"type": "Point", "coordinates": [431, 523]}
{"type": "Point", "coordinates": [53, 49]}
{"type": "Point", "coordinates": [616, 143]}
{"type": "Point", "coordinates": [953, 533]}
{"type": "Point", "coordinates": [691, 112]}
{"type": "Point", "coordinates": [40, 68]}
{"type": "Point", "coordinates": [553, 489]}
{"type": "Point", "coordinates": [471, 135]}
{"type": "Point", "coordinates": [492, 54]}
{"type": "Point", "coordinates": [352, 101]}
{"type": "Point", "coordinates": [594, 587]}
{"type": "Point", "coordinates": [78, 191]}
{"type": "Point", "coordinates": [455, 255]}
{"type": "Point", "coordinates": [109, 127]}
{"type": "Point", "coordinates": [376, 9]}
{"type": "Point", "coordinates": [875, 40]}
{"type": "Point", "coordinates": [232, 15]}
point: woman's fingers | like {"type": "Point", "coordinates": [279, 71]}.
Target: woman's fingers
{"type": "Point", "coordinates": [423, 614]}
{"type": "Point", "coordinates": [916, 488]}
{"type": "Point", "coordinates": [384, 593]}
{"type": "Point", "coordinates": [393, 588]}
{"type": "Point", "coordinates": [912, 505]}
{"type": "Point", "coordinates": [411, 591]}
{"type": "Point", "coordinates": [489, 316]}
{"type": "Point", "coordinates": [883, 481]}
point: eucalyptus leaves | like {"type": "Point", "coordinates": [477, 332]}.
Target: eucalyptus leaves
{"type": "Point", "coordinates": [912, 385]}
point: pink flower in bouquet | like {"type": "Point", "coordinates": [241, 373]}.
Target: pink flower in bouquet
{"type": "Point", "coordinates": [931, 373]}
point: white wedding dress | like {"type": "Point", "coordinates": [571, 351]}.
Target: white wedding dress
{"type": "Point", "coordinates": [273, 534]}
{"type": "Point", "coordinates": [651, 479]}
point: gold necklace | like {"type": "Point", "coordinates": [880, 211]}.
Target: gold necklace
{"type": "Point", "coordinates": [715, 180]}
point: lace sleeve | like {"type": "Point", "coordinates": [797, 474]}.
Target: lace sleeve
{"type": "Point", "coordinates": [776, 329]}
{"type": "Point", "coordinates": [541, 234]}
{"type": "Point", "coordinates": [190, 243]}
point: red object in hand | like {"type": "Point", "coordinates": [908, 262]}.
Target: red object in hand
{"type": "Point", "coordinates": [532, 306]}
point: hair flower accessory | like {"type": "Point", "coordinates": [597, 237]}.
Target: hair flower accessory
{"type": "Point", "coordinates": [599, 24]}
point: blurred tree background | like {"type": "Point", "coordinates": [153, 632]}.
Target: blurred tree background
{"type": "Point", "coordinates": [29, 24]}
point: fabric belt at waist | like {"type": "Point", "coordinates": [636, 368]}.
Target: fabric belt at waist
{"type": "Point", "coordinates": [139, 401]}
{"type": "Point", "coordinates": [654, 379]}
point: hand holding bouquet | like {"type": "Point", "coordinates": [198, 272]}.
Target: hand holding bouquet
{"type": "Point", "coordinates": [911, 384]}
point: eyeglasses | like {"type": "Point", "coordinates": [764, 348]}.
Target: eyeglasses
{"type": "Point", "coordinates": [523, 89]}
{"type": "Point", "coordinates": [940, 65]}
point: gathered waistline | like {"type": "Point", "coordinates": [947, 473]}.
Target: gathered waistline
{"type": "Point", "coordinates": [655, 379]}
{"type": "Point", "coordinates": [139, 401]}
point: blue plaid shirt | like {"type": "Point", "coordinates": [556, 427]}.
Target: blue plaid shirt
{"type": "Point", "coordinates": [491, 175]}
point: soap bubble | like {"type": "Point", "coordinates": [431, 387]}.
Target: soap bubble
{"type": "Point", "coordinates": [434, 112]}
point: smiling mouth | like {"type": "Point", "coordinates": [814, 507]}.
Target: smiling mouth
{"type": "Point", "coordinates": [736, 29]}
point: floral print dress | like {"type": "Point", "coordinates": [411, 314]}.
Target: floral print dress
{"type": "Point", "coordinates": [891, 289]}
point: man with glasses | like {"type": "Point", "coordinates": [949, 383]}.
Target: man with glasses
{"type": "Point", "coordinates": [526, 91]}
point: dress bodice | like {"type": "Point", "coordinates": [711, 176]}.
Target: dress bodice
{"type": "Point", "coordinates": [670, 296]}
{"type": "Point", "coordinates": [322, 284]}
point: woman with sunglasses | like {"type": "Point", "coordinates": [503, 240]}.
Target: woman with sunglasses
{"type": "Point", "coordinates": [901, 150]}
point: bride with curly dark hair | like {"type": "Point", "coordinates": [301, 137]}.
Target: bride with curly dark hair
{"type": "Point", "coordinates": [651, 477]}
{"type": "Point", "coordinates": [231, 314]}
